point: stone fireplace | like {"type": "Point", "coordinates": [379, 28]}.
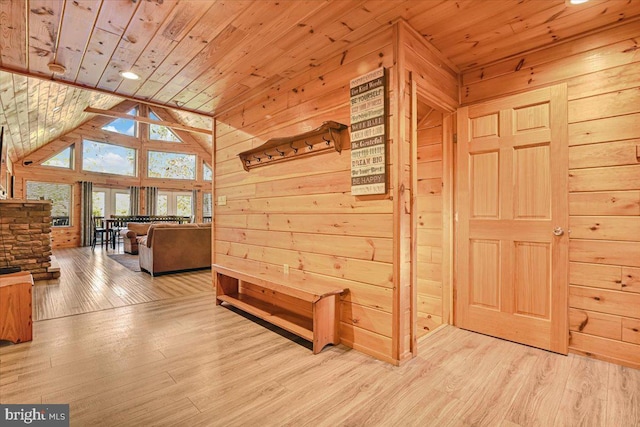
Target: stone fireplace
{"type": "Point", "coordinates": [25, 237]}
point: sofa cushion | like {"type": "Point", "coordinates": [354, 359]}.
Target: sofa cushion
{"type": "Point", "coordinates": [155, 226]}
{"type": "Point", "coordinates": [140, 228]}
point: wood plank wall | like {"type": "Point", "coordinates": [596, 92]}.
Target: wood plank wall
{"type": "Point", "coordinates": [64, 237]}
{"type": "Point", "coordinates": [301, 212]}
{"type": "Point", "coordinates": [604, 179]}
{"type": "Point", "coordinates": [430, 223]}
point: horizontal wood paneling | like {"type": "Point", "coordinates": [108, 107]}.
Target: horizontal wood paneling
{"type": "Point", "coordinates": [631, 279]}
{"type": "Point", "coordinates": [606, 349]}
{"type": "Point", "coordinates": [619, 103]}
{"type": "Point", "coordinates": [366, 341]}
{"type": "Point", "coordinates": [374, 249]}
{"type": "Point", "coordinates": [579, 63]}
{"type": "Point", "coordinates": [601, 72]}
{"type": "Point", "coordinates": [631, 330]}
{"type": "Point", "coordinates": [605, 203]}
{"type": "Point", "coordinates": [605, 129]}
{"type": "Point", "coordinates": [605, 227]}
{"type": "Point", "coordinates": [605, 301]}
{"type": "Point", "coordinates": [367, 318]}
{"type": "Point", "coordinates": [594, 323]}
{"type": "Point", "coordinates": [605, 252]}
{"type": "Point", "coordinates": [616, 153]}
{"type": "Point", "coordinates": [430, 224]}
{"type": "Point", "coordinates": [301, 213]}
{"type": "Point", "coordinates": [595, 275]}
{"type": "Point", "coordinates": [332, 203]}
{"type": "Point", "coordinates": [602, 179]}
{"type": "Point", "coordinates": [330, 265]}
{"type": "Point", "coordinates": [554, 53]}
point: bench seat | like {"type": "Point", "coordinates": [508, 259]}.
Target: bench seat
{"type": "Point", "coordinates": [309, 310]}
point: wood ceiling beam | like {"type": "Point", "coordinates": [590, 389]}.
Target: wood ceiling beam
{"type": "Point", "coordinates": [147, 120]}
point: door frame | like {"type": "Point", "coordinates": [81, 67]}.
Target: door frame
{"type": "Point", "coordinates": [448, 204]}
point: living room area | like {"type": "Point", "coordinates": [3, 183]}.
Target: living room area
{"type": "Point", "coordinates": [130, 211]}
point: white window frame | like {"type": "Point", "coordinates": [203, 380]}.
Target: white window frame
{"type": "Point", "coordinates": [110, 199]}
{"type": "Point", "coordinates": [172, 200]}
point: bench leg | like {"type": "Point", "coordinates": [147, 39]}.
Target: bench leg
{"type": "Point", "coordinates": [326, 321]}
{"type": "Point", "coordinates": [225, 285]}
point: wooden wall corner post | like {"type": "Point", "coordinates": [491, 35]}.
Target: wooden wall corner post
{"type": "Point", "coordinates": [213, 201]}
{"type": "Point", "coordinates": [414, 216]}
{"type": "Point", "coordinates": [400, 159]}
{"type": "Point", "coordinates": [225, 285]}
{"type": "Point", "coordinates": [326, 321]}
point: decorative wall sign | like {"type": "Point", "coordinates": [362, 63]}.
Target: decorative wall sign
{"type": "Point", "coordinates": [368, 134]}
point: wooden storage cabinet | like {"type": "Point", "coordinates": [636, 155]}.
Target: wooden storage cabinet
{"type": "Point", "coordinates": [16, 323]}
{"type": "Point", "coordinates": [310, 311]}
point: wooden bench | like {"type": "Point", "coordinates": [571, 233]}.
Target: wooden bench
{"type": "Point", "coordinates": [15, 307]}
{"type": "Point", "coordinates": [310, 311]}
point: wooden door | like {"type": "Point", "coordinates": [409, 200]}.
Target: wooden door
{"type": "Point", "coordinates": [513, 218]}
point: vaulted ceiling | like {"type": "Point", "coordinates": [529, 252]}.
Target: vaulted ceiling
{"type": "Point", "coordinates": [204, 56]}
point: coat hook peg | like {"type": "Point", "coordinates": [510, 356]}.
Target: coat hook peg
{"type": "Point", "coordinates": [269, 156]}
{"type": "Point", "coordinates": [327, 141]}
{"type": "Point", "coordinates": [309, 145]}
{"type": "Point", "coordinates": [247, 162]}
{"type": "Point", "coordinates": [256, 157]}
{"type": "Point", "coordinates": [280, 152]}
{"type": "Point", "coordinates": [295, 150]}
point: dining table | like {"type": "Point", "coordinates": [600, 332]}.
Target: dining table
{"type": "Point", "coordinates": [113, 227]}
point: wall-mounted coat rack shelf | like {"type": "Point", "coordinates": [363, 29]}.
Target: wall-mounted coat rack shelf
{"type": "Point", "coordinates": [326, 137]}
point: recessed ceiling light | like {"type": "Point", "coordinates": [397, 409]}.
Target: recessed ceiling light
{"type": "Point", "coordinates": [578, 1]}
{"type": "Point", "coordinates": [129, 75]}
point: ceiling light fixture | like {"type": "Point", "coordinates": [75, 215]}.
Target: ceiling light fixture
{"type": "Point", "coordinates": [577, 1]}
{"type": "Point", "coordinates": [129, 75]}
{"type": "Point", "coordinates": [56, 68]}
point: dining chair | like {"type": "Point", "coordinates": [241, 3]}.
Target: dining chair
{"type": "Point", "coordinates": [97, 225]}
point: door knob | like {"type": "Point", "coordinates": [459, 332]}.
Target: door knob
{"type": "Point", "coordinates": [558, 231]}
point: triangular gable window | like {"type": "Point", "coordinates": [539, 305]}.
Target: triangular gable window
{"type": "Point", "coordinates": [124, 126]}
{"type": "Point", "coordinates": [161, 133]}
{"type": "Point", "coordinates": [61, 160]}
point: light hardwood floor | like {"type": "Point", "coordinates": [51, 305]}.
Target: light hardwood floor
{"type": "Point", "coordinates": [91, 281]}
{"type": "Point", "coordinates": [183, 361]}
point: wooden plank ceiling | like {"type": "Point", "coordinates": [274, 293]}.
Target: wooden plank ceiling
{"type": "Point", "coordinates": [205, 56]}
